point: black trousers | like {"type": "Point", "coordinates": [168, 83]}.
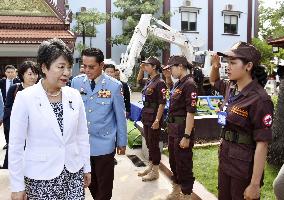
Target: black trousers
{"type": "Point", "coordinates": [6, 132]}
{"type": "Point", "coordinates": [230, 188]}
{"type": "Point", "coordinates": [152, 138]}
{"type": "Point", "coordinates": [102, 176]}
{"type": "Point", "coordinates": [181, 164]}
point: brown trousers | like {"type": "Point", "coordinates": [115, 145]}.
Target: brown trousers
{"type": "Point", "coordinates": [152, 138]}
{"type": "Point", "coordinates": [102, 176]}
{"type": "Point", "coordinates": [230, 188]}
{"type": "Point", "coordinates": [181, 164]}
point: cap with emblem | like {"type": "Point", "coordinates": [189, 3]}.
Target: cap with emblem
{"type": "Point", "coordinates": [177, 60]}
{"type": "Point", "coordinates": [244, 51]}
{"type": "Point", "coordinates": [153, 61]}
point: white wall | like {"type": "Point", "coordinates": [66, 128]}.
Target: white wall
{"type": "Point", "coordinates": [202, 25]}
{"type": "Point", "coordinates": [223, 42]}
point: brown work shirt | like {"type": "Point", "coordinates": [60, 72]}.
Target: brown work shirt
{"type": "Point", "coordinates": [183, 100]}
{"type": "Point", "coordinates": [249, 112]}
{"type": "Point", "coordinates": [154, 94]}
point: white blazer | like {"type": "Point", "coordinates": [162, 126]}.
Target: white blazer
{"type": "Point", "coordinates": [47, 151]}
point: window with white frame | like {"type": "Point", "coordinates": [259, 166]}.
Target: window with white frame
{"type": "Point", "coordinates": [188, 21]}
{"type": "Point", "coordinates": [231, 24]}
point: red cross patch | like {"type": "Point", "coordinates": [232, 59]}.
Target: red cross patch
{"type": "Point", "coordinates": [164, 92]}
{"type": "Point", "coordinates": [193, 95]}
{"type": "Point", "coordinates": [267, 120]}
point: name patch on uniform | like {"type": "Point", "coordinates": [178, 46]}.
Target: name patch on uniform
{"type": "Point", "coordinates": [104, 94]}
{"type": "Point", "coordinates": [240, 111]}
{"type": "Point", "coordinates": [267, 120]}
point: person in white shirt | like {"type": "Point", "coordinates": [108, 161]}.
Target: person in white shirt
{"type": "Point", "coordinates": [49, 119]}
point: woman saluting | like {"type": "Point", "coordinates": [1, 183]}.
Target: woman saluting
{"type": "Point", "coordinates": [246, 119]}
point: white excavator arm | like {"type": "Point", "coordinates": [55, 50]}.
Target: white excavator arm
{"type": "Point", "coordinates": [141, 33]}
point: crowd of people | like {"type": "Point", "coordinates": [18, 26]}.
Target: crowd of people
{"type": "Point", "coordinates": [63, 139]}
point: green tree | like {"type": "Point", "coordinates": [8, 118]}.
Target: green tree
{"type": "Point", "coordinates": [130, 13]}
{"type": "Point", "coordinates": [86, 22]}
{"type": "Point", "coordinates": [271, 21]}
{"type": "Point", "coordinates": [266, 53]}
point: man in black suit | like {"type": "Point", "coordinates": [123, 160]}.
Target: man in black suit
{"type": "Point", "coordinates": [126, 93]}
{"type": "Point", "coordinates": [10, 79]}
{"type": "Point", "coordinates": [110, 70]}
{"type": "Point", "coordinates": [5, 83]}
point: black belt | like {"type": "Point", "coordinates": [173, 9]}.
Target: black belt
{"type": "Point", "coordinates": [236, 137]}
{"type": "Point", "coordinates": [150, 105]}
{"type": "Point", "coordinates": [176, 119]}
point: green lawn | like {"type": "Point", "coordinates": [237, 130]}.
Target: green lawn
{"type": "Point", "coordinates": [205, 165]}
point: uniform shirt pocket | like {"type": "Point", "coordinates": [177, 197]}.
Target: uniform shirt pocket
{"type": "Point", "coordinates": [103, 101]}
{"type": "Point", "coordinates": [238, 117]}
{"type": "Point", "coordinates": [148, 115]}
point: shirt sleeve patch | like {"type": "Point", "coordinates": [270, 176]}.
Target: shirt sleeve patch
{"type": "Point", "coordinates": [267, 120]}
{"type": "Point", "coordinates": [164, 92]}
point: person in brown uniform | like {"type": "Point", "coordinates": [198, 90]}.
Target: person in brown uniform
{"type": "Point", "coordinates": [246, 119]}
{"type": "Point", "coordinates": [154, 100]}
{"type": "Point", "coordinates": [180, 120]}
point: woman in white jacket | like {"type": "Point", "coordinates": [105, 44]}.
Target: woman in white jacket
{"type": "Point", "coordinates": [50, 119]}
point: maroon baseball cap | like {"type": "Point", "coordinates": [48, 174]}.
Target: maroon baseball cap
{"type": "Point", "coordinates": [153, 61]}
{"type": "Point", "coordinates": [244, 51]}
{"type": "Point", "coordinates": [178, 60]}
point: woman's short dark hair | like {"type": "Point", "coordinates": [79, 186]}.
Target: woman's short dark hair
{"type": "Point", "coordinates": [25, 66]}
{"type": "Point", "coordinates": [52, 49]}
{"type": "Point", "coordinates": [94, 52]}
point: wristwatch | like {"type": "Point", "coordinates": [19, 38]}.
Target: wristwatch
{"type": "Point", "coordinates": [187, 136]}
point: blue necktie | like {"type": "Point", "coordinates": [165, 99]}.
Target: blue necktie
{"type": "Point", "coordinates": [93, 84]}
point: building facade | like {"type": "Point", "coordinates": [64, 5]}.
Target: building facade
{"type": "Point", "coordinates": [209, 24]}
{"type": "Point", "coordinates": [24, 24]}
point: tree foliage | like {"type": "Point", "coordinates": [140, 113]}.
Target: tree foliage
{"type": "Point", "coordinates": [86, 21]}
{"type": "Point", "coordinates": [276, 148]}
{"type": "Point", "coordinates": [271, 21]}
{"type": "Point", "coordinates": [130, 13]}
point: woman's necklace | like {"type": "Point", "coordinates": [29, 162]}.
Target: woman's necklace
{"type": "Point", "coordinates": [53, 95]}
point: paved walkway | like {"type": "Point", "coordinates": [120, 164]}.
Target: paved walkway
{"type": "Point", "coordinates": [127, 185]}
